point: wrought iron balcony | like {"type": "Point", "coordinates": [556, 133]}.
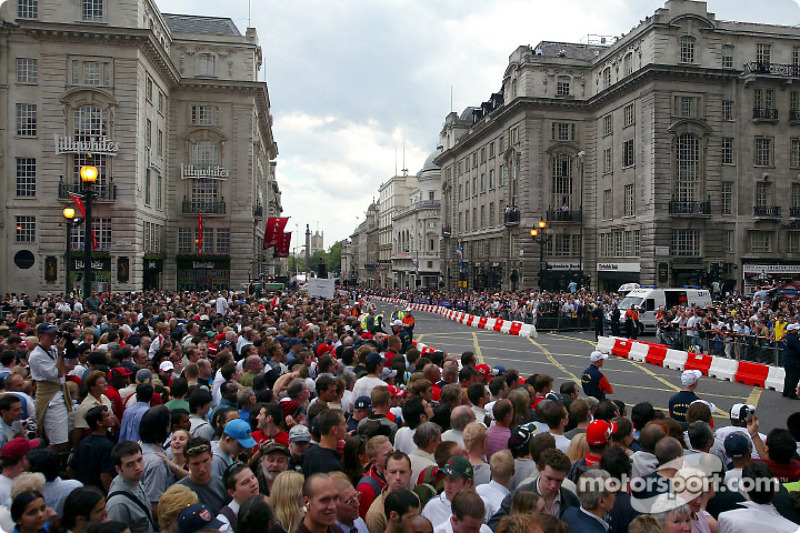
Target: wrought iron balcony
{"type": "Point", "coordinates": [765, 114]}
{"type": "Point", "coordinates": [679, 207]}
{"type": "Point", "coordinates": [794, 115]}
{"type": "Point", "coordinates": [446, 231]}
{"type": "Point", "coordinates": [772, 69]}
{"type": "Point", "coordinates": [211, 208]}
{"type": "Point", "coordinates": [794, 212]}
{"type": "Point", "coordinates": [511, 217]}
{"type": "Point", "coordinates": [767, 211]}
{"type": "Point", "coordinates": [558, 215]}
{"type": "Point", "coordinates": [258, 211]}
{"type": "Point", "coordinates": [101, 192]}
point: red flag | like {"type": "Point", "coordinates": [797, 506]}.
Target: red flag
{"type": "Point", "coordinates": [79, 203]}
{"type": "Point", "coordinates": [283, 245]}
{"type": "Point", "coordinates": [273, 231]}
{"type": "Point", "coordinates": [200, 233]}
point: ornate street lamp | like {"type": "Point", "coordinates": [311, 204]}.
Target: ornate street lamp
{"type": "Point", "coordinates": [539, 236]}
{"type": "Point", "coordinates": [88, 177]}
{"type": "Point", "coordinates": [69, 215]}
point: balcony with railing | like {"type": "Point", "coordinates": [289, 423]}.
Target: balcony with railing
{"type": "Point", "coordinates": [563, 215]}
{"type": "Point", "coordinates": [511, 216]}
{"type": "Point", "coordinates": [258, 211]}
{"type": "Point", "coordinates": [794, 212]}
{"type": "Point", "coordinates": [765, 68]}
{"type": "Point", "coordinates": [767, 211]}
{"type": "Point", "coordinates": [680, 207]}
{"type": "Point", "coordinates": [101, 192]}
{"type": "Point", "coordinates": [765, 114]}
{"type": "Point", "coordinates": [206, 208]}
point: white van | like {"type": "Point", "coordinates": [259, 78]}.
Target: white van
{"type": "Point", "coordinates": [649, 300]}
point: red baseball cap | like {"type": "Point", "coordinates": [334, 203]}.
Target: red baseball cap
{"type": "Point", "coordinates": [599, 432]}
{"type": "Point", "coordinates": [484, 369]}
{"type": "Point", "coordinates": [119, 371]}
{"type": "Point", "coordinates": [396, 392]}
{"type": "Point", "coordinates": [323, 349]}
{"type": "Point", "coordinates": [16, 448]}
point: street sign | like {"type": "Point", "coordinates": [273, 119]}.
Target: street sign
{"type": "Point", "coordinates": [790, 291]}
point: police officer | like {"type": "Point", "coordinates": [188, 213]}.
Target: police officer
{"type": "Point", "coordinates": [791, 361]}
{"type": "Point", "coordinates": [593, 380]}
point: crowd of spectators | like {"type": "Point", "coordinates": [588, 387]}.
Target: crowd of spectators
{"type": "Point", "coordinates": [188, 412]}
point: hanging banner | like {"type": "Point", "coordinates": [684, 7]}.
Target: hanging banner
{"type": "Point", "coordinates": [200, 235]}
{"type": "Point", "coordinates": [460, 256]}
{"type": "Point", "coordinates": [79, 204]}
{"type": "Point", "coordinates": [273, 231]}
{"type": "Point", "coordinates": [284, 244]}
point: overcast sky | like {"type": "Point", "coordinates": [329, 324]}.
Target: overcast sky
{"type": "Point", "coordinates": [351, 81]}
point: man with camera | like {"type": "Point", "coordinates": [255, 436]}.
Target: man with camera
{"type": "Point", "coordinates": [53, 402]}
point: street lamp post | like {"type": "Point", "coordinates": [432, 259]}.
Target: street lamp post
{"type": "Point", "coordinates": [539, 236]}
{"type": "Point", "coordinates": [88, 177]}
{"type": "Point", "coordinates": [69, 215]}
{"type": "Point", "coordinates": [581, 155]}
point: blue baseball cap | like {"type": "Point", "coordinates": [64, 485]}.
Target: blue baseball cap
{"type": "Point", "coordinates": [196, 517]}
{"type": "Point", "coordinates": [240, 430]}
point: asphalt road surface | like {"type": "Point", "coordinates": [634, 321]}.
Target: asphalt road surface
{"type": "Point", "coordinates": [566, 355]}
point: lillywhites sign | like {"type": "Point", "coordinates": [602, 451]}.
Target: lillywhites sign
{"type": "Point", "coordinates": [217, 172]}
{"type": "Point", "coordinates": [202, 264]}
{"type": "Point", "coordinates": [564, 266]}
{"type": "Point", "coordinates": [95, 145]}
{"type": "Point", "coordinates": [96, 265]}
{"type": "Point", "coordinates": [619, 267]}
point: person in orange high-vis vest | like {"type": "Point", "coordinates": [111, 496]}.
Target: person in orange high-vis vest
{"type": "Point", "coordinates": [408, 323]}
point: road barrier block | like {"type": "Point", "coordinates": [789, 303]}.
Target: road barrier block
{"type": "Point", "coordinates": [775, 378]}
{"type": "Point", "coordinates": [605, 344]}
{"type": "Point", "coordinates": [698, 361]}
{"type": "Point", "coordinates": [753, 374]}
{"type": "Point", "coordinates": [622, 347]}
{"type": "Point", "coordinates": [674, 359]}
{"type": "Point", "coordinates": [482, 322]}
{"type": "Point", "coordinates": [723, 368]}
{"type": "Point", "coordinates": [515, 328]}
{"type": "Point", "coordinates": [638, 351]}
{"type": "Point", "coordinates": [497, 326]}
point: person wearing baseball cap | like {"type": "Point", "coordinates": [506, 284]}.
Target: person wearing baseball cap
{"type": "Point", "coordinates": [681, 401]}
{"type": "Point", "coordinates": [299, 442]}
{"type": "Point", "coordinates": [791, 361]}
{"type": "Point", "coordinates": [594, 382]}
{"type": "Point", "coordinates": [598, 436]}
{"type": "Point", "coordinates": [53, 401]}
{"type": "Point", "coordinates": [197, 517]}
{"type": "Point", "coordinates": [739, 449]}
{"type": "Point", "coordinates": [485, 372]}
{"type": "Point", "coordinates": [14, 462]}
{"type": "Point", "coordinates": [362, 408]}
{"type": "Point", "coordinates": [235, 439]}
{"type": "Point", "coordinates": [458, 476]}
{"type": "Point", "coordinates": [743, 420]}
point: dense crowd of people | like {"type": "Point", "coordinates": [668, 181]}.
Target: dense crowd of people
{"type": "Point", "coordinates": [187, 412]}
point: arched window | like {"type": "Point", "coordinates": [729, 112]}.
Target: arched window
{"type": "Point", "coordinates": [562, 181]}
{"type": "Point", "coordinates": [89, 122]}
{"type": "Point", "coordinates": [687, 49]}
{"type": "Point", "coordinates": [687, 168]}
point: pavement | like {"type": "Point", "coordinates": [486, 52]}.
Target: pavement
{"type": "Point", "coordinates": [566, 355]}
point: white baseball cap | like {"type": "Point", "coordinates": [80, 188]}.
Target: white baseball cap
{"type": "Point", "coordinates": [710, 405]}
{"type": "Point", "coordinates": [690, 377]}
{"type": "Point", "coordinates": [166, 366]}
{"type": "Point", "coordinates": [793, 327]}
{"type": "Point", "coordinates": [597, 355]}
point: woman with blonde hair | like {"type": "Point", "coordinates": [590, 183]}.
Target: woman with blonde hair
{"type": "Point", "coordinates": [520, 400]}
{"type": "Point", "coordinates": [526, 502]}
{"type": "Point", "coordinates": [476, 442]}
{"type": "Point", "coordinates": [578, 447]}
{"type": "Point", "coordinates": [286, 498]}
{"type": "Point", "coordinates": [172, 502]}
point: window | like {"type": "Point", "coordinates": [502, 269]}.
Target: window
{"type": "Point", "coordinates": [205, 115]}
{"type": "Point", "coordinates": [474, 159]}
{"type": "Point", "coordinates": [491, 178]}
{"type": "Point", "coordinates": [563, 131]}
{"type": "Point", "coordinates": [763, 53]}
{"type": "Point", "coordinates": [793, 242]}
{"type": "Point", "coordinates": [205, 154]}
{"type": "Point", "coordinates": [466, 188]}
{"type": "Point", "coordinates": [794, 105]}
{"type": "Point", "coordinates": [628, 114]}
{"type": "Point", "coordinates": [796, 56]}
{"type": "Point", "coordinates": [148, 133]}
{"type": "Point", "coordinates": [601, 247]}
{"type": "Point", "coordinates": [514, 135]}
{"type": "Point", "coordinates": [28, 9]}
{"type": "Point", "coordinates": [628, 64]}
{"type": "Point", "coordinates": [637, 239]}
{"type": "Point", "coordinates": [628, 243]}
{"type": "Point", "coordinates": [561, 247]}
{"type": "Point", "coordinates": [763, 194]}
{"type": "Point", "coordinates": [685, 242]}
{"type": "Point", "coordinates": [26, 177]}
{"type": "Point", "coordinates": [561, 180]}
{"type": "Point", "coordinates": [607, 78]}
{"type": "Point", "coordinates": [629, 201]}
{"type": "Point", "coordinates": [727, 56]}
{"type": "Point", "coordinates": [206, 64]}
{"type": "Point", "coordinates": [727, 241]}
{"type": "Point", "coordinates": [26, 229]}
{"type": "Point", "coordinates": [491, 149]}
{"type": "Point", "coordinates": [727, 150]}
{"type": "Point", "coordinates": [687, 49]}
{"type": "Point", "coordinates": [160, 143]}
{"type": "Point", "coordinates": [94, 73]}
{"type": "Point", "coordinates": [687, 168]}
{"type": "Point", "coordinates": [562, 86]}
{"type": "Point", "coordinates": [763, 152]}
{"type": "Point", "coordinates": [223, 241]}
{"type": "Point", "coordinates": [431, 196]}
{"type": "Point", "coordinates": [147, 187]}
{"type": "Point", "coordinates": [618, 243]}
{"type": "Point", "coordinates": [492, 213]}
{"type": "Point", "coordinates": [760, 241]}
{"type": "Point", "coordinates": [159, 186]}
{"type": "Point", "coordinates": [607, 205]}
{"type": "Point", "coordinates": [208, 240]}
{"type": "Point", "coordinates": [185, 243]}
{"type": "Point", "coordinates": [687, 106]}
{"type": "Point", "coordinates": [608, 160]}
{"type": "Point", "coordinates": [795, 194]}
{"type": "Point", "coordinates": [27, 70]}
{"type": "Point", "coordinates": [205, 193]}
{"type": "Point", "coordinates": [502, 175]}
{"type": "Point", "coordinates": [727, 110]}
{"type": "Point", "coordinates": [483, 216]}
{"type": "Point", "coordinates": [483, 155]}
{"type": "Point", "coordinates": [475, 186]}
{"type": "Point", "coordinates": [794, 159]}
{"type": "Point", "coordinates": [607, 125]}
{"type": "Point", "coordinates": [26, 120]}
{"type": "Point", "coordinates": [764, 99]}
{"type": "Point", "coordinates": [161, 99]}
{"type": "Point", "coordinates": [91, 10]}
{"type": "Point", "coordinates": [727, 197]}
{"type": "Point", "coordinates": [483, 182]}
{"type": "Point", "coordinates": [628, 158]}
{"type": "Point", "coordinates": [148, 91]}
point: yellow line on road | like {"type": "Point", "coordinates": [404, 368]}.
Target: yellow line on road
{"type": "Point", "coordinates": [554, 361]}
{"type": "Point", "coordinates": [478, 352]}
{"type": "Point", "coordinates": [755, 396]}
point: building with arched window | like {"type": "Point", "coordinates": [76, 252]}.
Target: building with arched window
{"type": "Point", "coordinates": [170, 111]}
{"type": "Point", "coordinates": [669, 155]}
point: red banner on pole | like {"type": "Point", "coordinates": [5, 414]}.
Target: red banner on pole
{"type": "Point", "coordinates": [200, 234]}
{"type": "Point", "coordinates": [284, 244]}
{"type": "Point", "coordinates": [79, 204]}
{"type": "Point", "coordinates": [273, 231]}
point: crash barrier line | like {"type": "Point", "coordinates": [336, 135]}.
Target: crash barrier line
{"type": "Point", "coordinates": [511, 327]}
{"type": "Point", "coordinates": [722, 368]}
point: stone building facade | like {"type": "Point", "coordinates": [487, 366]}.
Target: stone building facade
{"type": "Point", "coordinates": [170, 110]}
{"type": "Point", "coordinates": [393, 198]}
{"type": "Point", "coordinates": [668, 156]}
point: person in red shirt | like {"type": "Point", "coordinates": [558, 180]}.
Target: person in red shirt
{"type": "Point", "coordinates": [374, 480]}
{"type": "Point", "coordinates": [119, 378]}
{"type": "Point", "coordinates": [268, 418]}
{"type": "Point", "coordinates": [781, 448]}
{"type": "Point", "coordinates": [543, 384]}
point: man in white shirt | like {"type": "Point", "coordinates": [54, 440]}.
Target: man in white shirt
{"type": "Point", "coordinates": [364, 385]}
{"type": "Point", "coordinates": [739, 414]}
{"type": "Point", "coordinates": [501, 465]}
{"type": "Point", "coordinates": [222, 304]}
{"type": "Point", "coordinates": [555, 415]}
{"type": "Point", "coordinates": [467, 515]}
{"type": "Point", "coordinates": [758, 514]}
{"type": "Point", "coordinates": [458, 476]}
{"type": "Point", "coordinates": [427, 437]}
